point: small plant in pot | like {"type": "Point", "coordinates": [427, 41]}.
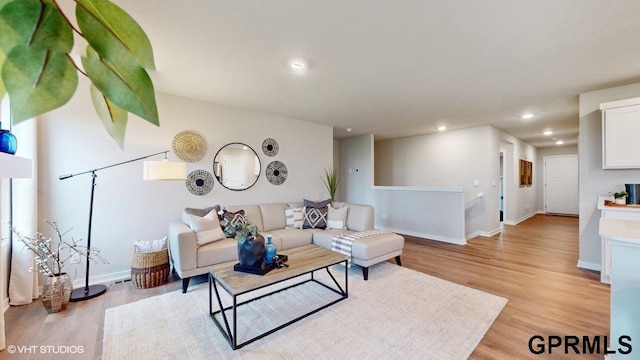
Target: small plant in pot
{"type": "Point", "coordinates": [620, 197]}
{"type": "Point", "coordinates": [250, 244]}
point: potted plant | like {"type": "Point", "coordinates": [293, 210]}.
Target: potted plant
{"type": "Point", "coordinates": [620, 197]}
{"type": "Point", "coordinates": [331, 180]}
{"type": "Point", "coordinates": [51, 256]}
{"type": "Point", "coordinates": [250, 244]}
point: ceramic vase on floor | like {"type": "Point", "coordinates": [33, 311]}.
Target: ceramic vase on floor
{"type": "Point", "coordinates": [56, 292]}
{"type": "Point", "coordinates": [251, 252]}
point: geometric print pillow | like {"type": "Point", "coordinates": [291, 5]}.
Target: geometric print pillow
{"type": "Point", "coordinates": [315, 218]}
{"type": "Point", "coordinates": [232, 218]}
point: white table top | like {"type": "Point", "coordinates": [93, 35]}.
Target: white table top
{"type": "Point", "coordinates": [619, 229]}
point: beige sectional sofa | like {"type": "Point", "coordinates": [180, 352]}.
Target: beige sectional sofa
{"type": "Point", "coordinates": [189, 259]}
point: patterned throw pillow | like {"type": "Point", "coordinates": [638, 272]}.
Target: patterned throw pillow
{"type": "Point", "coordinates": [294, 218]}
{"type": "Point", "coordinates": [232, 218]}
{"type": "Point", "coordinates": [315, 218]}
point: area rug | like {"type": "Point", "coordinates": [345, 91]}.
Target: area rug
{"type": "Point", "coordinates": [398, 314]}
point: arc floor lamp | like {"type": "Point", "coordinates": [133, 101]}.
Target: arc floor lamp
{"type": "Point", "coordinates": [153, 170]}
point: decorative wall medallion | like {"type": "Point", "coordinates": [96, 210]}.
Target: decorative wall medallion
{"type": "Point", "coordinates": [199, 182]}
{"type": "Point", "coordinates": [276, 172]}
{"type": "Point", "coordinates": [270, 147]}
{"type": "Point", "coordinates": [189, 146]}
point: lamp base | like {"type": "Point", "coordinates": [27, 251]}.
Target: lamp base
{"type": "Point", "coordinates": [87, 293]}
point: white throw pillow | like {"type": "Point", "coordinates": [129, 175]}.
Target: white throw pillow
{"type": "Point", "coordinates": [207, 228]}
{"type": "Point", "coordinates": [337, 218]}
{"type": "Point", "coordinates": [148, 246]}
{"type": "Point", "coordinates": [294, 218]}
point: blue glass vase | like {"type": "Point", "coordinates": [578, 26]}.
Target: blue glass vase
{"type": "Point", "coordinates": [270, 250]}
{"type": "Point", "coordinates": [8, 142]}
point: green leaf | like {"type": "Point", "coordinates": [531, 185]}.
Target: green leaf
{"type": "Point", "coordinates": [113, 117]}
{"type": "Point", "coordinates": [126, 84]}
{"type": "Point", "coordinates": [37, 81]}
{"type": "Point", "coordinates": [3, 90]}
{"type": "Point", "coordinates": [113, 33]}
{"type": "Point", "coordinates": [39, 25]}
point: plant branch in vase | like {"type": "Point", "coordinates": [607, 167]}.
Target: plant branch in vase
{"type": "Point", "coordinates": [331, 180]}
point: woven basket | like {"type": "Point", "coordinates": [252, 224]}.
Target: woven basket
{"type": "Point", "coordinates": [150, 269]}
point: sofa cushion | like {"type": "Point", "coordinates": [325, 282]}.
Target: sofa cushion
{"type": "Point", "coordinates": [360, 217]}
{"type": "Point", "coordinates": [324, 237]}
{"type": "Point", "coordinates": [207, 228]}
{"type": "Point", "coordinates": [337, 218]}
{"type": "Point", "coordinates": [251, 212]}
{"type": "Point", "coordinates": [273, 216]}
{"type": "Point", "coordinates": [290, 238]}
{"type": "Point", "coordinates": [315, 217]}
{"type": "Point", "coordinates": [316, 204]}
{"type": "Point", "coordinates": [217, 252]}
{"type": "Point", "coordinates": [370, 247]}
{"type": "Point", "coordinates": [294, 218]}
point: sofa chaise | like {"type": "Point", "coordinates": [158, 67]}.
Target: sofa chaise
{"type": "Point", "coordinates": [190, 257]}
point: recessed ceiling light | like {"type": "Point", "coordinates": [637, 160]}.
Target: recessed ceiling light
{"type": "Point", "coordinates": [442, 128]}
{"type": "Point", "coordinates": [348, 129]}
{"type": "Point", "coordinates": [548, 132]}
{"type": "Point", "coordinates": [559, 142]}
{"type": "Point", "coordinates": [298, 65]}
{"type": "Point", "coordinates": [527, 116]}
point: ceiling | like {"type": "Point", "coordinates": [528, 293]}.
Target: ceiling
{"type": "Point", "coordinates": [398, 68]}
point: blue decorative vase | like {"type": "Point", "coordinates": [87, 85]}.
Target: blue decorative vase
{"type": "Point", "coordinates": [270, 250]}
{"type": "Point", "coordinates": [251, 252]}
{"type": "Point", "coordinates": [8, 142]}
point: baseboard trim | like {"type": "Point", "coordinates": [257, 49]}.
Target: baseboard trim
{"type": "Point", "coordinates": [589, 265]}
{"type": "Point", "coordinates": [485, 233]}
{"type": "Point", "coordinates": [449, 240]}
{"type": "Point", "coordinates": [521, 219]}
{"type": "Point", "coordinates": [103, 279]}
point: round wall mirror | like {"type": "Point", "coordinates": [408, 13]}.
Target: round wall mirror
{"type": "Point", "coordinates": [236, 166]}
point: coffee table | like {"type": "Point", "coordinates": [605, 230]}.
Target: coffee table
{"type": "Point", "coordinates": [301, 260]}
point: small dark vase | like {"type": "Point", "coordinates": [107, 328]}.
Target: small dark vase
{"type": "Point", "coordinates": [251, 251]}
{"type": "Point", "coordinates": [8, 142]}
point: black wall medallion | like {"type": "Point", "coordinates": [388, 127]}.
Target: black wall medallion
{"type": "Point", "coordinates": [276, 172]}
{"type": "Point", "coordinates": [270, 147]}
{"type": "Point", "coordinates": [199, 182]}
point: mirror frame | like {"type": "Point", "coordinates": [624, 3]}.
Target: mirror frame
{"type": "Point", "coordinates": [215, 173]}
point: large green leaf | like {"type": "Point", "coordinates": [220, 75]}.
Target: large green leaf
{"type": "Point", "coordinates": [126, 84]}
{"type": "Point", "coordinates": [37, 24]}
{"type": "Point", "coordinates": [37, 81]}
{"type": "Point", "coordinates": [113, 33]}
{"type": "Point", "coordinates": [113, 117]}
{"type": "Point", "coordinates": [3, 90]}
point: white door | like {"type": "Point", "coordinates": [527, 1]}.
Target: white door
{"type": "Point", "coordinates": [234, 172]}
{"type": "Point", "coordinates": [561, 184]}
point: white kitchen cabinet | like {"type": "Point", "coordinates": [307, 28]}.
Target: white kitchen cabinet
{"type": "Point", "coordinates": [620, 129]}
{"type": "Point", "coordinates": [613, 212]}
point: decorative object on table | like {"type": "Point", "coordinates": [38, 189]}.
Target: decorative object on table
{"type": "Point", "coordinates": [270, 147]}
{"type": "Point", "coordinates": [634, 193]}
{"type": "Point", "coordinates": [8, 141]}
{"type": "Point", "coordinates": [50, 256]}
{"type": "Point", "coordinates": [620, 197]}
{"type": "Point", "coordinates": [232, 166]}
{"type": "Point", "coordinates": [171, 173]}
{"type": "Point", "coordinates": [150, 263]}
{"type": "Point", "coordinates": [114, 40]}
{"type": "Point", "coordinates": [199, 182]}
{"type": "Point", "coordinates": [331, 181]}
{"type": "Point", "coordinates": [189, 146]}
{"type": "Point", "coordinates": [270, 250]}
{"type": "Point", "coordinates": [250, 244]}
{"type": "Point", "coordinates": [276, 172]}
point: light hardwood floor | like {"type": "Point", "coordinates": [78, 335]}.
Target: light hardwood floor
{"type": "Point", "coordinates": [532, 264]}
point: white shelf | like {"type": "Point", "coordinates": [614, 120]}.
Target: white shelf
{"type": "Point", "coordinates": [12, 166]}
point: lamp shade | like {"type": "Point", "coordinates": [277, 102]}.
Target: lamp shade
{"type": "Point", "coordinates": [164, 170]}
{"type": "Point", "coordinates": [12, 166]}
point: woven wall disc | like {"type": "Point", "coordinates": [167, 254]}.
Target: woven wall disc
{"type": "Point", "coordinates": [276, 172]}
{"type": "Point", "coordinates": [189, 146]}
{"type": "Point", "coordinates": [270, 147]}
{"type": "Point", "coordinates": [199, 182]}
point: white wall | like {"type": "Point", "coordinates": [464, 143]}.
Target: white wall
{"type": "Point", "coordinates": [594, 181]}
{"type": "Point", "coordinates": [539, 176]}
{"type": "Point", "coordinates": [128, 208]}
